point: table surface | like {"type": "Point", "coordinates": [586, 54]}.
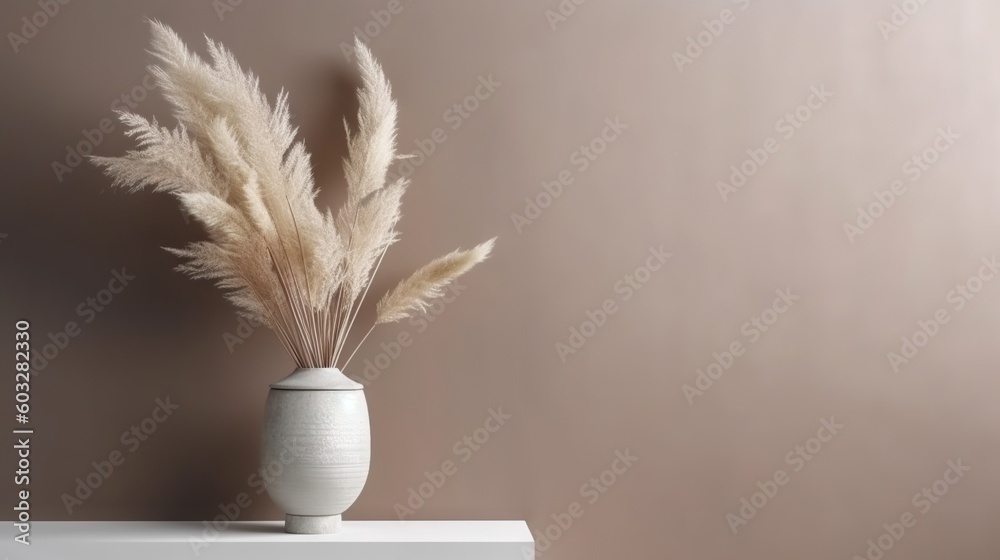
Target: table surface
{"type": "Point", "coordinates": [273, 531]}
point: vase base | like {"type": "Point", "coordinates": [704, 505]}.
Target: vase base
{"type": "Point", "coordinates": [312, 524]}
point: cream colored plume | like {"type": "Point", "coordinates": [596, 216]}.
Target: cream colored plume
{"type": "Point", "coordinates": [412, 294]}
{"type": "Point", "coordinates": [367, 219]}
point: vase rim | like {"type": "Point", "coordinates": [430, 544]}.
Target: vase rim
{"type": "Point", "coordinates": [317, 379]}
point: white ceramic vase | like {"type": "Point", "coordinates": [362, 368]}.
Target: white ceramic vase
{"type": "Point", "coordinates": [317, 447]}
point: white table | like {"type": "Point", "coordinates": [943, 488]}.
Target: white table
{"type": "Point", "coordinates": [259, 540]}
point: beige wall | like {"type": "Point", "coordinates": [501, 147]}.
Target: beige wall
{"type": "Point", "coordinates": [494, 346]}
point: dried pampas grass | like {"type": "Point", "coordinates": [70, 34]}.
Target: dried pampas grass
{"type": "Point", "coordinates": [412, 294]}
{"type": "Point", "coordinates": [234, 164]}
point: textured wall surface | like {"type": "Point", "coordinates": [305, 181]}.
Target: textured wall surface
{"type": "Point", "coordinates": [738, 306]}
